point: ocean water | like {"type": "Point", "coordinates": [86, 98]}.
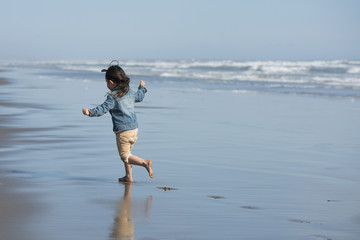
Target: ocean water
{"type": "Point", "coordinates": [251, 150]}
{"type": "Point", "coordinates": [339, 78]}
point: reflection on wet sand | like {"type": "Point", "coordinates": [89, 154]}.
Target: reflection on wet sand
{"type": "Point", "coordinates": [123, 223]}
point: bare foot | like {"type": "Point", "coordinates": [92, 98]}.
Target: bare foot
{"type": "Point", "coordinates": [125, 179]}
{"type": "Point", "coordinates": [149, 168]}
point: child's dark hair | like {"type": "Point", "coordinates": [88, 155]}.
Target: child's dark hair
{"type": "Point", "coordinates": [116, 74]}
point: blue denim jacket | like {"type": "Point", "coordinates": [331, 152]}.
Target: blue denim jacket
{"type": "Point", "coordinates": [121, 109]}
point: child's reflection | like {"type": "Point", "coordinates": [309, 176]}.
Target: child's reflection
{"type": "Point", "coordinates": [123, 223]}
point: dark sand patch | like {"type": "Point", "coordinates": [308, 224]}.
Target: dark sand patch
{"type": "Point", "coordinates": [299, 221]}
{"type": "Point", "coordinates": [250, 207]}
{"type": "Point", "coordinates": [216, 197]}
{"type": "Point", "coordinates": [167, 188]}
{"type": "Point", "coordinates": [24, 105]}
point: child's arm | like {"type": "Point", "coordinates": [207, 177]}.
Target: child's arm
{"type": "Point", "coordinates": [101, 109]}
{"type": "Point", "coordinates": [140, 94]}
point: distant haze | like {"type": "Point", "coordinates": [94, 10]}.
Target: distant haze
{"type": "Point", "coordinates": [186, 29]}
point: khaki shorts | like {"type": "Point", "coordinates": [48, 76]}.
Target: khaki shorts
{"type": "Point", "coordinates": [125, 141]}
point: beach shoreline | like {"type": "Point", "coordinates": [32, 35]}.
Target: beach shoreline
{"type": "Point", "coordinates": [17, 206]}
{"type": "Point", "coordinates": [283, 164]}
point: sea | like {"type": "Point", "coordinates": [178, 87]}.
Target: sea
{"type": "Point", "coordinates": [338, 78]}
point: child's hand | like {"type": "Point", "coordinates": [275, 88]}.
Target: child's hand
{"type": "Point", "coordinates": [86, 112]}
{"type": "Point", "coordinates": [142, 83]}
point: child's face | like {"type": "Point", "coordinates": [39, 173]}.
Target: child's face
{"type": "Point", "coordinates": [110, 84]}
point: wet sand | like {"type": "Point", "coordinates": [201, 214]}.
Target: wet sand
{"type": "Point", "coordinates": [227, 165]}
{"type": "Point", "coordinates": [16, 206]}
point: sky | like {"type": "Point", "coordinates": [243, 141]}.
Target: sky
{"type": "Point", "coordinates": [180, 29]}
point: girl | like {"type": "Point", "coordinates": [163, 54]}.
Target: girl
{"type": "Point", "coordinates": [120, 103]}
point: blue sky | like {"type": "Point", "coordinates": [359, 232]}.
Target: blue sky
{"type": "Point", "coordinates": [186, 29]}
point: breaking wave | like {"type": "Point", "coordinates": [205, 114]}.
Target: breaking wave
{"type": "Point", "coordinates": [333, 78]}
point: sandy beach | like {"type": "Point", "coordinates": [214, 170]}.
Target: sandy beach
{"type": "Point", "coordinates": [228, 164]}
{"type": "Point", "coordinates": [16, 206]}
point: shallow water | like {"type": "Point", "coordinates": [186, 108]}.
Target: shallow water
{"type": "Point", "coordinates": [242, 165]}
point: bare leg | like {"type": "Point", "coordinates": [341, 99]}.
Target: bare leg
{"type": "Point", "coordinates": [135, 160]}
{"type": "Point", "coordinates": [128, 176]}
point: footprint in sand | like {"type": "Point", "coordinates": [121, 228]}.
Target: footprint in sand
{"type": "Point", "coordinates": [322, 237]}
{"type": "Point", "coordinates": [250, 207]}
{"type": "Point", "coordinates": [298, 221]}
{"type": "Point", "coordinates": [216, 197]}
{"type": "Point", "coordinates": [167, 188]}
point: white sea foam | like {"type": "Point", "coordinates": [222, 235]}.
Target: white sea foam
{"type": "Point", "coordinates": [354, 70]}
{"type": "Point", "coordinates": [249, 75]}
